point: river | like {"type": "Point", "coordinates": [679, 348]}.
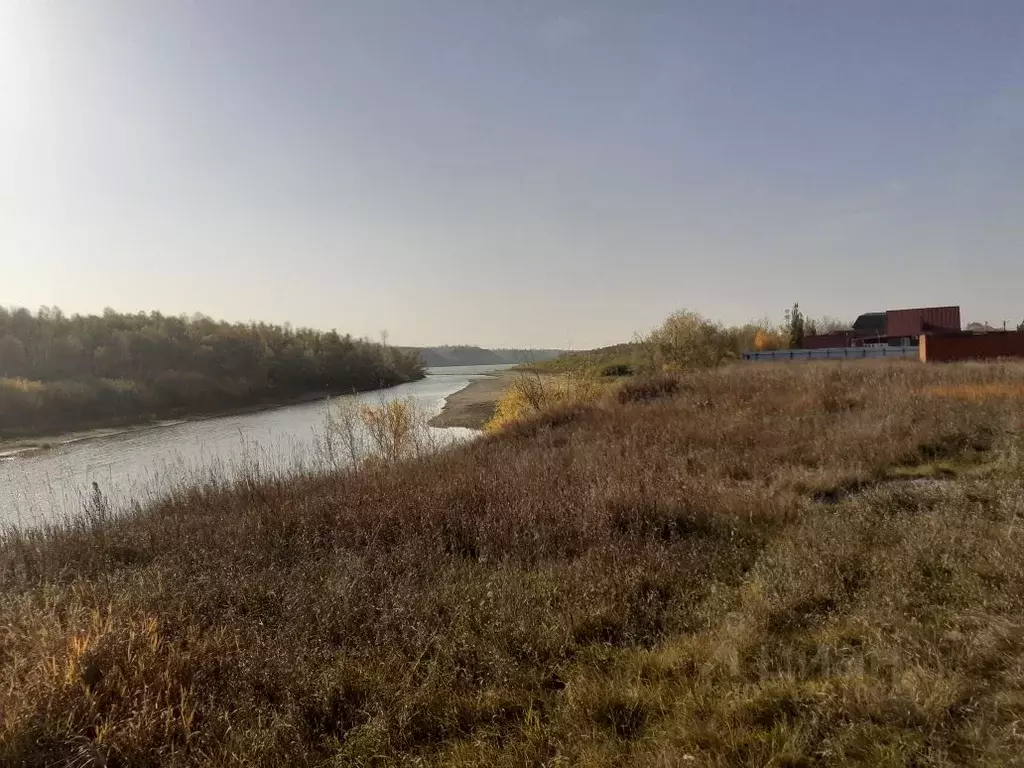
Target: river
{"type": "Point", "coordinates": [141, 464]}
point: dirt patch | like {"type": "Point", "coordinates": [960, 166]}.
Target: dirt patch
{"type": "Point", "coordinates": [473, 406]}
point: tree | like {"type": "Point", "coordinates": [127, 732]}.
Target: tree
{"type": "Point", "coordinates": [828, 324]}
{"type": "Point", "coordinates": [114, 367]}
{"type": "Point", "coordinates": [766, 340]}
{"type": "Point", "coordinates": [796, 326]}
{"type": "Point", "coordinates": [688, 340]}
{"type": "Point", "coordinates": [12, 357]}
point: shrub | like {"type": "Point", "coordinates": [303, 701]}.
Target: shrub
{"type": "Point", "coordinates": [617, 369]}
{"type": "Point", "coordinates": [388, 431]}
{"type": "Point", "coordinates": [688, 340]}
{"type": "Point", "coordinates": [648, 388]}
{"type": "Point", "coordinates": [531, 394]}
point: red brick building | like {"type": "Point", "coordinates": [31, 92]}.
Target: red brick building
{"type": "Point", "coordinates": [894, 327]}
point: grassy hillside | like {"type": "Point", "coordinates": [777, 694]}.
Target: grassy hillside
{"type": "Point", "coordinates": [617, 359]}
{"type": "Point", "coordinates": [470, 355]}
{"type": "Point", "coordinates": [794, 565]}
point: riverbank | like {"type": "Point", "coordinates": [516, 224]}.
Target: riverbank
{"type": "Point", "coordinates": [14, 446]}
{"type": "Point", "coordinates": [794, 565]}
{"type": "Point", "coordinates": [17, 446]}
{"type": "Point", "coordinates": [472, 406]}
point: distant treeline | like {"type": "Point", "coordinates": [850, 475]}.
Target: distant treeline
{"type": "Point", "coordinates": [61, 373]}
{"type": "Point", "coordinates": [469, 355]}
{"type": "Point", "coordinates": [687, 339]}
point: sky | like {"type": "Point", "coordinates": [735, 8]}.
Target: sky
{"type": "Point", "coordinates": [529, 173]}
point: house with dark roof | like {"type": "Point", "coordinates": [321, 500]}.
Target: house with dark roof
{"type": "Point", "coordinates": [894, 327]}
{"type": "Point", "coordinates": [870, 324]}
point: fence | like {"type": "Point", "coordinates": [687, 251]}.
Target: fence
{"type": "Point", "coordinates": [833, 353]}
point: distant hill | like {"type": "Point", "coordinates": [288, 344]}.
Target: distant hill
{"type": "Point", "coordinates": [469, 355]}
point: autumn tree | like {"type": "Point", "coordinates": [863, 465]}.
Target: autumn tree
{"type": "Point", "coordinates": [767, 340]}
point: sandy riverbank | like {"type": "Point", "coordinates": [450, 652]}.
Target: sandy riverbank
{"type": "Point", "coordinates": [473, 406]}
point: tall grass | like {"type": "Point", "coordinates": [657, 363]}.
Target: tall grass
{"type": "Point", "coordinates": [815, 564]}
{"type": "Point", "coordinates": [532, 393]}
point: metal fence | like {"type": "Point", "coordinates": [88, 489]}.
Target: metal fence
{"type": "Point", "coordinates": [832, 353]}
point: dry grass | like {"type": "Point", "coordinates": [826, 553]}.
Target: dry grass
{"type": "Point", "coordinates": [748, 566]}
{"type": "Point", "coordinates": [531, 393]}
{"type": "Point", "coordinates": [978, 390]}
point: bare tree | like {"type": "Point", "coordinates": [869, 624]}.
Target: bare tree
{"type": "Point", "coordinates": [829, 324]}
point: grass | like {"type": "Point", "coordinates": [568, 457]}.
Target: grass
{"type": "Point", "coordinates": [616, 360]}
{"type": "Point", "coordinates": [984, 390]}
{"type": "Point", "coordinates": [719, 568]}
{"type": "Point", "coordinates": [531, 393]}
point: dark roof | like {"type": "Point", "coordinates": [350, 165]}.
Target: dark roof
{"type": "Point", "coordinates": [870, 322]}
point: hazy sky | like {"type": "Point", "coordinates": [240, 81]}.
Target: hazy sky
{"type": "Point", "coordinates": [511, 172]}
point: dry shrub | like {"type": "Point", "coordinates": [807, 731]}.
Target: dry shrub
{"type": "Point", "coordinates": [530, 394]}
{"type": "Point", "coordinates": [650, 585]}
{"type": "Point", "coordinates": [647, 388]}
{"type": "Point", "coordinates": [687, 340]}
{"type": "Point", "coordinates": [618, 369]}
{"type": "Point", "coordinates": [388, 431]}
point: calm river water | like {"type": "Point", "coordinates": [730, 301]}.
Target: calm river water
{"type": "Point", "coordinates": [141, 464]}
